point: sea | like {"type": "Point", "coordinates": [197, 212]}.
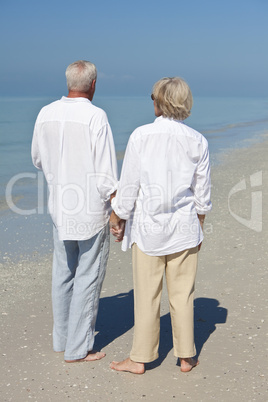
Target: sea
{"type": "Point", "coordinates": [226, 122]}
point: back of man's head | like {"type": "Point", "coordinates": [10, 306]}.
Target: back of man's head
{"type": "Point", "coordinates": [80, 75]}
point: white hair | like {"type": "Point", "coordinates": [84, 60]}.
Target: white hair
{"type": "Point", "coordinates": [80, 75]}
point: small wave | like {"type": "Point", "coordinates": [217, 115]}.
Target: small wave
{"type": "Point", "coordinates": [234, 125]}
{"type": "Point", "coordinates": [4, 202]}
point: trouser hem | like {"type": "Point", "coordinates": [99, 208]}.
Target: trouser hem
{"type": "Point", "coordinates": [185, 355]}
{"type": "Point", "coordinates": [75, 357]}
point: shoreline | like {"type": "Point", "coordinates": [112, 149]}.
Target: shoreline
{"type": "Point", "coordinates": [230, 312]}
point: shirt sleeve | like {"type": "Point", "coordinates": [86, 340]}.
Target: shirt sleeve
{"type": "Point", "coordinates": [105, 163]}
{"type": "Point", "coordinates": [201, 185]}
{"type": "Point", "coordinates": [129, 185]}
{"type": "Point", "coordinates": [36, 157]}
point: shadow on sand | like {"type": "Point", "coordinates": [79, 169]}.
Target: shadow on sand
{"type": "Point", "coordinates": [116, 317]}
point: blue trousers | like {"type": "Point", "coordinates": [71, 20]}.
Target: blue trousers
{"type": "Point", "coordinates": [78, 272]}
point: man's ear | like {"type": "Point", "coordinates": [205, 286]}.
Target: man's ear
{"type": "Point", "coordinates": [92, 90]}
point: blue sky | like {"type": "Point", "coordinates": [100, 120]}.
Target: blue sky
{"type": "Point", "coordinates": [218, 47]}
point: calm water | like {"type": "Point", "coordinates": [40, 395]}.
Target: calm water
{"type": "Point", "coordinates": [225, 122]}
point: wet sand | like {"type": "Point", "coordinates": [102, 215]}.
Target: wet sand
{"type": "Point", "coordinates": [230, 312]}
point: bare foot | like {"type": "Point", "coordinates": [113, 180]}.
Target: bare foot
{"type": "Point", "coordinates": [188, 364]}
{"type": "Point", "coordinates": [91, 356]}
{"type": "Point", "coordinates": [128, 365]}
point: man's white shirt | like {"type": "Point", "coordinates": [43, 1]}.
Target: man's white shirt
{"type": "Point", "coordinates": [73, 145]}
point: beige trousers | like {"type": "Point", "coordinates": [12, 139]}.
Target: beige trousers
{"type": "Point", "coordinates": [148, 272]}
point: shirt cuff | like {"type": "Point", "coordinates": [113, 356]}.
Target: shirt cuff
{"type": "Point", "coordinates": [118, 211]}
{"type": "Point", "coordinates": [203, 211]}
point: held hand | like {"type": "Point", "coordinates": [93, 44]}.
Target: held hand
{"type": "Point", "coordinates": [118, 231]}
{"type": "Point", "coordinates": [117, 227]}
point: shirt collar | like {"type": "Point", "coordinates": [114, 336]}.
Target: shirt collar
{"type": "Point", "coordinates": [168, 118]}
{"type": "Point", "coordinates": [66, 99]}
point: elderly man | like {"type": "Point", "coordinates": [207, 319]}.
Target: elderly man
{"type": "Point", "coordinates": [164, 194]}
{"type": "Point", "coordinates": [73, 145]}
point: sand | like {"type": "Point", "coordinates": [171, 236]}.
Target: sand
{"type": "Point", "coordinates": [230, 312]}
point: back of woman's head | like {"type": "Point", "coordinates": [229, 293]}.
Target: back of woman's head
{"type": "Point", "coordinates": [173, 98]}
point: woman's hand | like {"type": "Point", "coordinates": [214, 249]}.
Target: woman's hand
{"type": "Point", "coordinates": [201, 221]}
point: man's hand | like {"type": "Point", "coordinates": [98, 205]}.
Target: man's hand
{"type": "Point", "coordinates": [117, 227]}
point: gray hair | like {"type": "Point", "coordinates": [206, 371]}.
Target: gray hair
{"type": "Point", "coordinates": [173, 98]}
{"type": "Point", "coordinates": [80, 75]}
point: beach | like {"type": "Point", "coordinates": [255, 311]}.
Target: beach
{"type": "Point", "coordinates": [230, 311]}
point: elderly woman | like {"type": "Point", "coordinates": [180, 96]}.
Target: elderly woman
{"type": "Point", "coordinates": [163, 194]}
